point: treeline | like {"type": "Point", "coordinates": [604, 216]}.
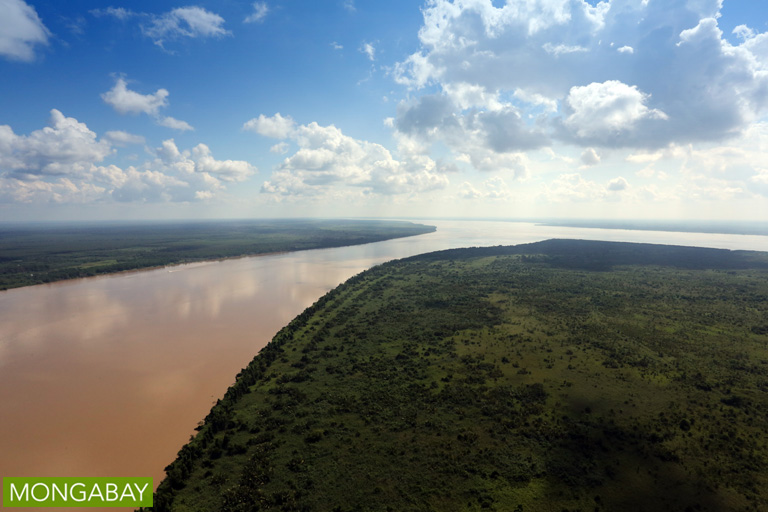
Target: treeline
{"type": "Point", "coordinates": [598, 255]}
{"type": "Point", "coordinates": [44, 253]}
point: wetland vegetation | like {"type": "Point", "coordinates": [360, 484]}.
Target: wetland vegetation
{"type": "Point", "coordinates": [561, 375]}
{"type": "Point", "coordinates": [34, 254]}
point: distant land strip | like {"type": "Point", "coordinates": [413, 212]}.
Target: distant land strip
{"type": "Point", "coordinates": [712, 227]}
{"type": "Point", "coordinates": [42, 253]}
{"type": "Point", "coordinates": [722, 227]}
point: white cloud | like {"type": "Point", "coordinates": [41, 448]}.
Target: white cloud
{"type": "Point", "coordinates": [549, 104]}
{"type": "Point", "coordinates": [126, 101]}
{"type": "Point", "coordinates": [169, 152]}
{"type": "Point", "coordinates": [369, 51]}
{"type": "Point", "coordinates": [336, 46]}
{"type": "Point", "coordinates": [646, 172]}
{"type": "Point", "coordinates": [62, 163]}
{"type": "Point", "coordinates": [329, 163]}
{"type": "Point", "coordinates": [608, 112]}
{"type": "Point", "coordinates": [183, 22]}
{"type": "Point", "coordinates": [65, 147]}
{"type": "Point", "coordinates": [573, 188]}
{"type": "Point", "coordinates": [561, 49]}
{"type": "Point", "coordinates": [174, 176]}
{"type": "Point", "coordinates": [21, 30]}
{"type": "Point", "coordinates": [743, 32]}
{"type": "Point", "coordinates": [486, 134]}
{"type": "Point", "coordinates": [515, 164]}
{"type": "Point", "coordinates": [673, 79]}
{"type": "Point", "coordinates": [702, 188]}
{"type": "Point", "coordinates": [590, 157]}
{"type": "Point", "coordinates": [176, 124]}
{"type": "Point", "coordinates": [280, 148]}
{"type": "Point", "coordinates": [468, 191]}
{"type": "Point", "coordinates": [617, 184]}
{"type": "Point", "coordinates": [277, 126]}
{"type": "Point", "coordinates": [759, 182]}
{"type": "Point", "coordinates": [465, 96]}
{"type": "Point", "coordinates": [494, 189]}
{"type": "Point", "coordinates": [121, 138]}
{"type": "Point", "coordinates": [120, 13]}
{"type": "Point", "coordinates": [416, 71]}
{"type": "Point", "coordinates": [260, 10]}
{"type": "Point", "coordinates": [63, 190]}
{"type": "Point", "coordinates": [226, 170]}
{"type": "Point", "coordinates": [192, 22]}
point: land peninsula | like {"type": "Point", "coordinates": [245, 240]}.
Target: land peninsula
{"type": "Point", "coordinates": [43, 253]}
{"type": "Point", "coordinates": [560, 375]}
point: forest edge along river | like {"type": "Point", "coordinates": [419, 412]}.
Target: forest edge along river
{"type": "Point", "coordinates": [108, 376]}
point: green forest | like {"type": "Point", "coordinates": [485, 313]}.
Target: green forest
{"type": "Point", "coordinates": [554, 376]}
{"type": "Point", "coordinates": [34, 254]}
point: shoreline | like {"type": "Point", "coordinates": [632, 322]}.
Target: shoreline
{"type": "Point", "coordinates": [204, 260]}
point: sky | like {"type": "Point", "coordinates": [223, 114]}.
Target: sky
{"type": "Point", "coordinates": [636, 109]}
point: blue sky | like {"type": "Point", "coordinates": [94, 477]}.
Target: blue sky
{"type": "Point", "coordinates": [278, 108]}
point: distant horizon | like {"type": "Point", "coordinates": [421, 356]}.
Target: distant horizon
{"type": "Point", "coordinates": [577, 109]}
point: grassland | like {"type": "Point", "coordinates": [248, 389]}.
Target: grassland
{"type": "Point", "coordinates": [45, 253]}
{"type": "Point", "coordinates": [557, 376]}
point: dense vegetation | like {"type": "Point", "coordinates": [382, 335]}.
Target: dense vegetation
{"type": "Point", "coordinates": [45, 253]}
{"type": "Point", "coordinates": [556, 376]}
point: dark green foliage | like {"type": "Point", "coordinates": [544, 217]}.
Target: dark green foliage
{"type": "Point", "coordinates": [503, 379]}
{"type": "Point", "coordinates": [33, 254]}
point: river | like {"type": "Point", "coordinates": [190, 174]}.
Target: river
{"type": "Point", "coordinates": [108, 376]}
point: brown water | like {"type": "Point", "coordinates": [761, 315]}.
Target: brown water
{"type": "Point", "coordinates": [108, 376]}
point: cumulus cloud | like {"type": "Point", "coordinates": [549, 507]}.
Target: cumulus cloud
{"type": "Point", "coordinates": [126, 101]}
{"type": "Point", "coordinates": [65, 147]}
{"type": "Point", "coordinates": [63, 163]}
{"type": "Point", "coordinates": [21, 30]}
{"type": "Point", "coordinates": [608, 112]}
{"type": "Point", "coordinates": [474, 123]}
{"type": "Point", "coordinates": [277, 126]}
{"type": "Point", "coordinates": [225, 170]}
{"type": "Point", "coordinates": [14, 190]}
{"type": "Point", "coordinates": [329, 162]}
{"type": "Point", "coordinates": [628, 74]}
{"type": "Point", "coordinates": [260, 10]}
